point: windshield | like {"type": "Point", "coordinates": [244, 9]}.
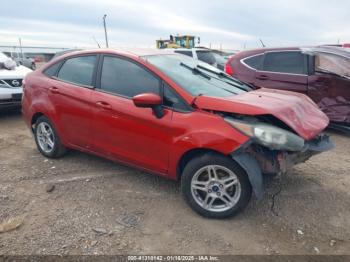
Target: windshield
{"type": "Point", "coordinates": [191, 76]}
{"type": "Point", "coordinates": [333, 63]}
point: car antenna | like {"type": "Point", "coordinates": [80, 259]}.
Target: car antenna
{"type": "Point", "coordinates": [262, 43]}
{"type": "Point", "coordinates": [93, 37]}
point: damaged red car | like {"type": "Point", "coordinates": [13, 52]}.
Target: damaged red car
{"type": "Point", "coordinates": [322, 73]}
{"type": "Point", "coordinates": [174, 116]}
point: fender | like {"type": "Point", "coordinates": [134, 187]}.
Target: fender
{"type": "Point", "coordinates": [220, 137]}
{"type": "Point", "coordinates": [202, 140]}
{"type": "Point", "coordinates": [253, 170]}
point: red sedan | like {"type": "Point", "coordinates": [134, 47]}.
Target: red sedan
{"type": "Point", "coordinates": [173, 116]}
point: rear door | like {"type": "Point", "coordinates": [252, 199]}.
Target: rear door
{"type": "Point", "coordinates": [120, 129]}
{"type": "Point", "coordinates": [285, 70]}
{"type": "Point", "coordinates": [70, 92]}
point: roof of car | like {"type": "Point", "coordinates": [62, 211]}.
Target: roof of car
{"type": "Point", "coordinates": [138, 52]}
{"type": "Point", "coordinates": [195, 48]}
{"type": "Point", "coordinates": [340, 51]}
{"type": "Point", "coordinates": [330, 49]}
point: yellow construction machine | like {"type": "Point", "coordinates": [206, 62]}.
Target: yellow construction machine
{"type": "Point", "coordinates": [179, 41]}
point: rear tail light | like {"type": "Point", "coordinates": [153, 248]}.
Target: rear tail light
{"type": "Point", "coordinates": [228, 67]}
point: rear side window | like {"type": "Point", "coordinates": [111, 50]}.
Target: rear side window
{"type": "Point", "coordinates": [206, 57]}
{"type": "Point", "coordinates": [188, 53]}
{"type": "Point", "coordinates": [78, 70]}
{"type": "Point", "coordinates": [52, 70]}
{"type": "Point", "coordinates": [122, 77]}
{"type": "Point", "coordinates": [253, 62]}
{"type": "Point", "coordinates": [285, 62]}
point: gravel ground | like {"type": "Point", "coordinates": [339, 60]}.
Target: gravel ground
{"type": "Point", "coordinates": [99, 207]}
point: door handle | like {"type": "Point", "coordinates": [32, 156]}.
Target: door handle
{"type": "Point", "coordinates": [54, 90]}
{"type": "Point", "coordinates": [104, 105]}
{"type": "Point", "coordinates": [262, 77]}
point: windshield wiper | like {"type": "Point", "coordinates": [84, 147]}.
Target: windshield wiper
{"type": "Point", "coordinates": [325, 71]}
{"type": "Point", "coordinates": [196, 70]}
{"type": "Point", "coordinates": [222, 74]}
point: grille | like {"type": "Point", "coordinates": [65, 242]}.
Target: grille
{"type": "Point", "coordinates": [11, 82]}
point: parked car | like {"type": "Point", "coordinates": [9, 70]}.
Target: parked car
{"type": "Point", "coordinates": [322, 73]}
{"type": "Point", "coordinates": [202, 54]}
{"type": "Point", "coordinates": [174, 116]}
{"type": "Point", "coordinates": [11, 83]}
{"type": "Point", "coordinates": [22, 59]}
{"type": "Point", "coordinates": [66, 51]}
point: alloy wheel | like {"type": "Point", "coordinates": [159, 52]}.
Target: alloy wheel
{"type": "Point", "coordinates": [215, 188]}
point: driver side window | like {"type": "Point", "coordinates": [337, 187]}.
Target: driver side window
{"type": "Point", "coordinates": [125, 78]}
{"type": "Point", "coordinates": [173, 100]}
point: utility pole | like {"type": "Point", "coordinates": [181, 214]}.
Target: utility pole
{"type": "Point", "coordinates": [104, 25]}
{"type": "Point", "coordinates": [20, 47]}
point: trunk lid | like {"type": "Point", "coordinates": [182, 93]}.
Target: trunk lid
{"type": "Point", "coordinates": [296, 110]}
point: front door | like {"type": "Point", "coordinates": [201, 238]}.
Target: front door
{"type": "Point", "coordinates": [329, 86]}
{"type": "Point", "coordinates": [122, 130]}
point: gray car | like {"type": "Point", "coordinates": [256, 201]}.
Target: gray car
{"type": "Point", "coordinates": [22, 59]}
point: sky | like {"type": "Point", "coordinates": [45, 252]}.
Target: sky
{"type": "Point", "coordinates": [235, 24]}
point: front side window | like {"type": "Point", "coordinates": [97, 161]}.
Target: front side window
{"type": "Point", "coordinates": [123, 77]}
{"type": "Point", "coordinates": [332, 63]}
{"type": "Point", "coordinates": [173, 100]}
{"type": "Point", "coordinates": [285, 62]}
{"type": "Point", "coordinates": [78, 70]}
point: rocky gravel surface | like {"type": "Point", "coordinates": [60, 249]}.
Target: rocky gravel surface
{"type": "Point", "coordinates": [83, 204]}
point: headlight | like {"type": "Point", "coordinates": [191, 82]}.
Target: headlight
{"type": "Point", "coordinates": [268, 135]}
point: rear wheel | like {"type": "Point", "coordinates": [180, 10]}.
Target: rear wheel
{"type": "Point", "coordinates": [47, 140]}
{"type": "Point", "coordinates": [215, 186]}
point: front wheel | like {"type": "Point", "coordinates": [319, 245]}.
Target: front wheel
{"type": "Point", "coordinates": [215, 186]}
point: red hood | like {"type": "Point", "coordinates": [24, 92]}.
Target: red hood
{"type": "Point", "coordinates": [296, 110]}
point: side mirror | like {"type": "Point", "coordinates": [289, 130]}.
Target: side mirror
{"type": "Point", "coordinates": [150, 100]}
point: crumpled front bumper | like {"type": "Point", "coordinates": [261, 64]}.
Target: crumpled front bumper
{"type": "Point", "coordinates": [318, 145]}
{"type": "Point", "coordinates": [258, 160]}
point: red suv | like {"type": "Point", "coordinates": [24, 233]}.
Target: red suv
{"type": "Point", "coordinates": [322, 73]}
{"type": "Point", "coordinates": [173, 116]}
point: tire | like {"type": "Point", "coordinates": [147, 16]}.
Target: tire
{"type": "Point", "coordinates": [227, 172]}
{"type": "Point", "coordinates": [54, 150]}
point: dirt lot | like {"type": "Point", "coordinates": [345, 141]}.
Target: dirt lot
{"type": "Point", "coordinates": [100, 207]}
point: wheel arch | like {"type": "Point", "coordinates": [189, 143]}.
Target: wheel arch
{"type": "Point", "coordinates": [35, 117]}
{"type": "Point", "coordinates": [190, 154]}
